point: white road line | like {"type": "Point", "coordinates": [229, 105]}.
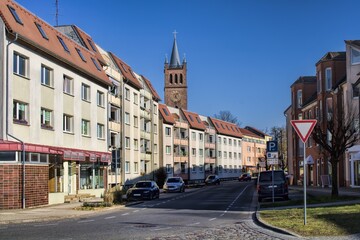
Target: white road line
{"type": "Point", "coordinates": [159, 229]}
{"type": "Point", "coordinates": [231, 204]}
{"type": "Point", "coordinates": [86, 221]}
{"type": "Point", "coordinates": [143, 208]}
{"type": "Point", "coordinates": [211, 219]}
{"type": "Point", "coordinates": [111, 217]}
{"type": "Point", "coordinates": [44, 225]}
{"type": "Point", "coordinates": [124, 214]}
{"type": "Point", "coordinates": [192, 224]}
{"type": "Point", "coordinates": [135, 211]}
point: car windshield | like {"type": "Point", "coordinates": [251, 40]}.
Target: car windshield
{"type": "Point", "coordinates": [143, 184]}
{"type": "Point", "coordinates": [173, 180]}
{"type": "Point", "coordinates": [267, 176]}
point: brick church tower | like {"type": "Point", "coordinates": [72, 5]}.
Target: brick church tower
{"type": "Point", "coordinates": [175, 80]}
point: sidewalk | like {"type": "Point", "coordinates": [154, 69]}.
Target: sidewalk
{"type": "Point", "coordinates": [51, 212]}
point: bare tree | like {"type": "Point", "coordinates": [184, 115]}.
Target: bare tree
{"type": "Point", "coordinates": [338, 135]}
{"type": "Point", "coordinates": [227, 116]}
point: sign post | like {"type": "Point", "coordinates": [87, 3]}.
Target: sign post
{"type": "Point", "coordinates": [272, 159]}
{"type": "Point", "coordinates": [304, 128]}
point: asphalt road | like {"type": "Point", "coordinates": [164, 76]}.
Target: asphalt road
{"type": "Point", "coordinates": [203, 209]}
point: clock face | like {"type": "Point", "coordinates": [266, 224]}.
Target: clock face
{"type": "Point", "coordinates": [175, 96]}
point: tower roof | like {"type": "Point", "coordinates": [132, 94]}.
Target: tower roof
{"type": "Point", "coordinates": [175, 59]}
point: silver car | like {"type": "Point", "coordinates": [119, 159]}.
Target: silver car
{"type": "Point", "coordinates": [174, 184]}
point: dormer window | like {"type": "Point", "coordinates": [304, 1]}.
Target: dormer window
{"type": "Point", "coordinates": [63, 44]}
{"type": "Point", "coordinates": [355, 56]}
{"type": "Point", "coordinates": [80, 54]}
{"type": "Point", "coordinates": [41, 30]}
{"type": "Point", "coordinates": [92, 45]}
{"type": "Point", "coordinates": [15, 15]}
{"type": "Point", "coordinates": [96, 64]}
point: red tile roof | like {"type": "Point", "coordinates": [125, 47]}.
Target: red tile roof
{"type": "Point", "coordinates": [249, 133]}
{"type": "Point", "coordinates": [29, 33]}
{"type": "Point", "coordinates": [126, 71]}
{"type": "Point", "coordinates": [226, 128]}
{"type": "Point", "coordinates": [156, 96]}
{"type": "Point", "coordinates": [165, 113]}
{"type": "Point", "coordinates": [194, 120]}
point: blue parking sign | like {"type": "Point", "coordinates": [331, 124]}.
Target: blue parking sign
{"type": "Point", "coordinates": [271, 146]}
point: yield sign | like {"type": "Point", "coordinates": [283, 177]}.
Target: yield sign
{"type": "Point", "coordinates": [303, 128]}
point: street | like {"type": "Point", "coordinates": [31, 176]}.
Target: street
{"type": "Point", "coordinates": [200, 213]}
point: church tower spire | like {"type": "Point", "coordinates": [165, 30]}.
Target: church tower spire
{"type": "Point", "coordinates": [175, 79]}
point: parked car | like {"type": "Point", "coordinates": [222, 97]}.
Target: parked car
{"type": "Point", "coordinates": [265, 185]}
{"type": "Point", "coordinates": [143, 190]}
{"type": "Point", "coordinates": [212, 180]}
{"type": "Point", "coordinates": [174, 184]}
{"type": "Point", "coordinates": [244, 177]}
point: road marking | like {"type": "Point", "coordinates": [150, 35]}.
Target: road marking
{"type": "Point", "coordinates": [110, 217]}
{"type": "Point", "coordinates": [44, 225]}
{"type": "Point", "coordinates": [143, 208]}
{"type": "Point", "coordinates": [124, 214]}
{"type": "Point", "coordinates": [211, 219]}
{"type": "Point", "coordinates": [135, 211]}
{"type": "Point", "coordinates": [159, 229]}
{"type": "Point", "coordinates": [233, 202]}
{"type": "Point", "coordinates": [86, 221]}
{"type": "Point", "coordinates": [192, 224]}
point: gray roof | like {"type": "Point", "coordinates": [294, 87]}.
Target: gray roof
{"type": "Point", "coordinates": [175, 59]}
{"type": "Point", "coordinates": [305, 79]}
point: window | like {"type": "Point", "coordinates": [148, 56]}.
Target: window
{"type": "Point", "coordinates": [100, 131]}
{"type": "Point", "coordinates": [127, 167]}
{"type": "Point", "coordinates": [230, 142]}
{"type": "Point", "coordinates": [20, 64]}
{"type": "Point", "coordinates": [219, 154]}
{"type": "Point", "coordinates": [356, 90]}
{"type": "Point", "coordinates": [193, 151]}
{"type": "Point", "coordinates": [225, 154]}
{"type": "Point", "coordinates": [356, 125]}
{"type": "Point", "coordinates": [219, 140]}
{"type": "Point", "coordinates": [136, 121]}
{"type": "Point", "coordinates": [235, 155]}
{"type": "Point", "coordinates": [114, 114]}
{"type": "Point", "coordinates": [355, 56]}
{"type": "Point", "coordinates": [127, 94]}
{"type": "Point", "coordinates": [85, 92]}
{"type": "Point", "coordinates": [155, 148]}
{"type": "Point", "coordinates": [41, 30]}
{"type": "Point", "coordinates": [20, 112]}
{"type": "Point", "coordinates": [201, 137]}
{"type": "Point", "coordinates": [329, 108]}
{"type": "Point", "coordinates": [127, 118]}
{"type": "Point", "coordinates": [168, 168]}
{"type": "Point", "coordinates": [193, 136]}
{"type": "Point", "coordinates": [230, 155]}
{"type": "Point", "coordinates": [127, 142]}
{"type": "Point", "coordinates": [46, 76]}
{"type": "Point", "coordinates": [136, 144]}
{"type": "Point", "coordinates": [193, 168]}
{"type": "Point", "coordinates": [136, 99]}
{"type": "Point", "coordinates": [155, 128]}
{"type": "Point", "coordinates": [168, 131]}
{"type": "Point", "coordinates": [224, 141]}
{"type": "Point", "coordinates": [81, 55]}
{"type": "Point", "coordinates": [100, 99]}
{"type": "Point", "coordinates": [63, 44]}
{"type": "Point", "coordinates": [15, 15]}
{"type": "Point", "coordinates": [136, 167]}
{"type": "Point", "coordinates": [92, 45]}
{"type": "Point", "coordinates": [248, 149]}
{"type": "Point", "coordinates": [46, 118]}
{"type": "Point", "coordinates": [201, 152]}
{"type": "Point", "coordinates": [96, 64]}
{"type": "Point", "coordinates": [319, 83]}
{"type": "Point", "coordinates": [248, 159]}
{"type": "Point", "coordinates": [168, 150]}
{"type": "Point", "coordinates": [299, 98]}
{"type": "Point", "coordinates": [68, 123]}
{"type": "Point", "coordinates": [68, 85]}
{"type": "Point", "coordinates": [85, 127]}
{"type": "Point", "coordinates": [328, 79]}
{"type": "Point", "coordinates": [155, 110]}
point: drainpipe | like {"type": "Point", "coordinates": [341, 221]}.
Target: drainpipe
{"type": "Point", "coordinates": [7, 121]}
{"type": "Point", "coordinates": [122, 165]}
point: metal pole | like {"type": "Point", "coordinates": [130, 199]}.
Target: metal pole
{"type": "Point", "coordinates": [116, 168]}
{"type": "Point", "coordinates": [273, 194]}
{"type": "Point", "coordinates": [304, 182]}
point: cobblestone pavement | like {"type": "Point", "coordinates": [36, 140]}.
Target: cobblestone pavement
{"type": "Point", "coordinates": [241, 230]}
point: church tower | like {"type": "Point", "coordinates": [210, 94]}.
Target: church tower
{"type": "Point", "coordinates": [175, 80]}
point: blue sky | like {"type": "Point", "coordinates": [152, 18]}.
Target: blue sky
{"type": "Point", "coordinates": [242, 55]}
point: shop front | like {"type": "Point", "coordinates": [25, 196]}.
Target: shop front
{"type": "Point", "coordinates": [354, 160]}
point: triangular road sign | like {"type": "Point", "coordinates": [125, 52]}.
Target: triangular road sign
{"type": "Point", "coordinates": [303, 128]}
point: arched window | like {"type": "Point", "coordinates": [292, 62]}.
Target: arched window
{"type": "Point", "coordinates": [171, 79]}
{"type": "Point", "coordinates": [176, 78]}
{"type": "Point", "coordinates": [181, 78]}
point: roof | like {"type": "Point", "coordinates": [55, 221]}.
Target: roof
{"type": "Point", "coordinates": [333, 56]}
{"type": "Point", "coordinates": [226, 128]}
{"type": "Point", "coordinates": [248, 133]}
{"type": "Point", "coordinates": [28, 26]}
{"type": "Point", "coordinates": [175, 59]}
{"type": "Point", "coordinates": [311, 99]}
{"type": "Point", "coordinates": [156, 96]}
{"type": "Point", "coordinates": [165, 113]}
{"type": "Point", "coordinates": [126, 71]}
{"type": "Point", "coordinates": [256, 131]}
{"type": "Point", "coordinates": [355, 43]}
{"type": "Point", "coordinates": [304, 79]}
{"type": "Point", "coordinates": [194, 120]}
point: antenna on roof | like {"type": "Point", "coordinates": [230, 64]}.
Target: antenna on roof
{"type": "Point", "coordinates": [57, 12]}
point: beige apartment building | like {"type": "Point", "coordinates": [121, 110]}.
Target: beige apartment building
{"type": "Point", "coordinates": [53, 110]}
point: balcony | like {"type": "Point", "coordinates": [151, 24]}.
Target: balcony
{"type": "Point", "coordinates": [209, 145]}
{"type": "Point", "coordinates": [113, 99]}
{"type": "Point", "coordinates": [210, 160]}
{"type": "Point", "coordinates": [145, 113]}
